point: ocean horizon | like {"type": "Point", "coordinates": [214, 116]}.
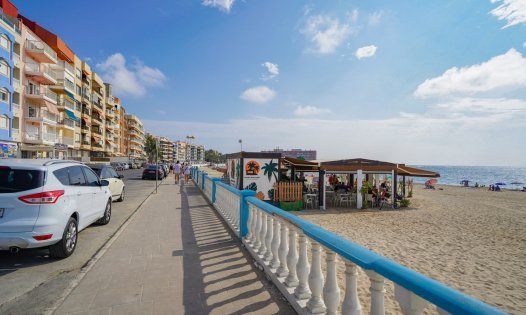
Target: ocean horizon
{"type": "Point", "coordinates": [483, 175]}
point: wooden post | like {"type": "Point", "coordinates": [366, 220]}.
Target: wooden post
{"type": "Point", "coordinates": [403, 187]}
{"type": "Point", "coordinates": [321, 189]}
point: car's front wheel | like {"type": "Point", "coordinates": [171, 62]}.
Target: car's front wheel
{"type": "Point", "coordinates": [66, 246]}
{"type": "Point", "coordinates": [107, 215]}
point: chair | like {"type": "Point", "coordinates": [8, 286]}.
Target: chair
{"type": "Point", "coordinates": [345, 198]}
{"type": "Point", "coordinates": [308, 201]}
{"type": "Point", "coordinates": [369, 199]}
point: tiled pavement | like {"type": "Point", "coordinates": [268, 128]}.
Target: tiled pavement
{"type": "Point", "coordinates": [175, 257]}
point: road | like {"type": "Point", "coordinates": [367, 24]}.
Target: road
{"type": "Point", "coordinates": [30, 281]}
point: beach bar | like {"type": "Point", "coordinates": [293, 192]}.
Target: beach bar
{"type": "Point", "coordinates": [290, 250]}
{"type": "Point", "coordinates": [362, 169]}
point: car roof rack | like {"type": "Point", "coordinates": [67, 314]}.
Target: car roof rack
{"type": "Point", "coordinates": [52, 162]}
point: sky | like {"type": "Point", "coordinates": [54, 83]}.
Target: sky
{"type": "Point", "coordinates": [416, 82]}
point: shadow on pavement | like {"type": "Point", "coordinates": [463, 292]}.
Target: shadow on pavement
{"type": "Point", "coordinates": [218, 275]}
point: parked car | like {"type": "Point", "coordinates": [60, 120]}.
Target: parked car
{"type": "Point", "coordinates": [149, 172]}
{"type": "Point", "coordinates": [45, 203]}
{"type": "Point", "coordinates": [116, 185]}
{"type": "Point", "coordinates": [166, 170]}
{"type": "Point", "coordinates": [126, 166]}
{"type": "Point", "coordinates": [117, 166]}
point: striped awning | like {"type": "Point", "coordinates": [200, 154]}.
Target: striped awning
{"type": "Point", "coordinates": [71, 115]}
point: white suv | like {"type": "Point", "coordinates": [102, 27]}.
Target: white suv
{"type": "Point", "coordinates": [47, 202]}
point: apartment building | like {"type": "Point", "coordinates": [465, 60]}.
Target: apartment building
{"type": "Point", "coordinates": [166, 149]}
{"type": "Point", "coordinates": [186, 151]}
{"type": "Point", "coordinates": [123, 128]}
{"type": "Point", "coordinates": [9, 130]}
{"type": "Point", "coordinates": [309, 155]}
{"type": "Point", "coordinates": [135, 137]}
{"type": "Point", "coordinates": [112, 123]}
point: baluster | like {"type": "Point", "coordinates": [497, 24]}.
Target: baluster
{"type": "Point", "coordinates": [257, 241]}
{"type": "Point", "coordinates": [331, 291]}
{"type": "Point", "coordinates": [249, 224]}
{"type": "Point", "coordinates": [377, 293]}
{"type": "Point", "coordinates": [283, 250]}
{"type": "Point", "coordinates": [292, 259]}
{"type": "Point", "coordinates": [268, 240]}
{"type": "Point", "coordinates": [302, 291]}
{"type": "Point", "coordinates": [275, 245]}
{"type": "Point", "coordinates": [351, 303]}
{"type": "Point", "coordinates": [315, 304]}
{"type": "Point", "coordinates": [263, 233]}
{"type": "Point", "coordinates": [410, 303]}
{"type": "Point", "coordinates": [253, 213]}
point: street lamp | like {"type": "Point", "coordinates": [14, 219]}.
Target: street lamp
{"type": "Point", "coordinates": [241, 144]}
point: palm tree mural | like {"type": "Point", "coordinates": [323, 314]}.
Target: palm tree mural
{"type": "Point", "coordinates": [270, 169]}
{"type": "Point", "coordinates": [252, 168]}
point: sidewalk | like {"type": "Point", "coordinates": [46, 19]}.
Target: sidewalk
{"type": "Point", "coordinates": [175, 257]}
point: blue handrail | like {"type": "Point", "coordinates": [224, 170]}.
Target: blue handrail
{"type": "Point", "coordinates": [230, 188]}
{"type": "Point", "coordinates": [431, 290]}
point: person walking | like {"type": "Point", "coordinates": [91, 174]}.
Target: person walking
{"type": "Point", "coordinates": [186, 173]}
{"type": "Point", "coordinates": [177, 172]}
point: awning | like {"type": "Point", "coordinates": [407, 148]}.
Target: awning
{"type": "Point", "coordinates": [52, 108]}
{"type": "Point", "coordinates": [86, 122]}
{"type": "Point", "coordinates": [71, 115]}
{"type": "Point", "coordinates": [96, 137]}
{"type": "Point", "coordinates": [373, 166]}
{"type": "Point", "coordinates": [86, 73]}
{"type": "Point", "coordinates": [416, 172]}
{"type": "Point", "coordinates": [71, 96]}
{"type": "Point", "coordinates": [300, 165]}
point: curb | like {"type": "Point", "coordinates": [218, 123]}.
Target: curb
{"type": "Point", "coordinates": [95, 258]}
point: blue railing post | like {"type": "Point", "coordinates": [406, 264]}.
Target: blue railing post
{"type": "Point", "coordinates": [203, 181]}
{"type": "Point", "coordinates": [243, 211]}
{"type": "Point", "coordinates": [214, 188]}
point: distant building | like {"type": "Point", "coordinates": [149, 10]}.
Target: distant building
{"type": "Point", "coordinates": [308, 155]}
{"type": "Point", "coordinates": [186, 151]}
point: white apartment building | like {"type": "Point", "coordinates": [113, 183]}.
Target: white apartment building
{"type": "Point", "coordinates": [186, 151]}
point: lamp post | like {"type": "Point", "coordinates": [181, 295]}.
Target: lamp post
{"type": "Point", "coordinates": [241, 144]}
{"type": "Point", "coordinates": [157, 163]}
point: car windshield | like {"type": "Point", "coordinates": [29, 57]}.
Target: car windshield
{"type": "Point", "coordinates": [152, 167]}
{"type": "Point", "coordinates": [15, 180]}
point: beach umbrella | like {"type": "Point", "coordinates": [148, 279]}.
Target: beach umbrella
{"type": "Point", "coordinates": [432, 181]}
{"type": "Point", "coordinates": [516, 183]}
{"type": "Point", "coordinates": [500, 184]}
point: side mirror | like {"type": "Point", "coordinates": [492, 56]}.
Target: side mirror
{"type": "Point", "coordinates": [120, 176]}
{"type": "Point", "coordinates": [104, 183]}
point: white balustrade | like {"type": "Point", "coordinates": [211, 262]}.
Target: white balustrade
{"type": "Point", "coordinates": [351, 303]}
{"type": "Point", "coordinates": [268, 239]}
{"type": "Point", "coordinates": [257, 238]}
{"type": "Point", "coordinates": [262, 234]}
{"type": "Point", "coordinates": [331, 291]}
{"type": "Point", "coordinates": [302, 291]}
{"type": "Point", "coordinates": [315, 305]}
{"type": "Point", "coordinates": [274, 263]}
{"type": "Point", "coordinates": [283, 249]}
{"type": "Point", "coordinates": [292, 259]}
{"type": "Point", "coordinates": [377, 293]}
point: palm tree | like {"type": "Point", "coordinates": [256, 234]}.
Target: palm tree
{"type": "Point", "coordinates": [151, 148]}
{"type": "Point", "coordinates": [270, 169]}
{"type": "Point", "coordinates": [253, 168]}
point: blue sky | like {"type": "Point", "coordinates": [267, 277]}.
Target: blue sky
{"type": "Point", "coordinates": [440, 82]}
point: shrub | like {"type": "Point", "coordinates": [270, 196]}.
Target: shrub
{"type": "Point", "coordinates": [405, 202]}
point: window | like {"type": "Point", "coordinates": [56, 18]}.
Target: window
{"type": "Point", "coordinates": [76, 176]}
{"type": "Point", "coordinates": [12, 181]}
{"type": "Point", "coordinates": [105, 173]}
{"type": "Point", "coordinates": [5, 70]}
{"type": "Point", "coordinates": [78, 73]}
{"type": "Point", "coordinates": [62, 175]}
{"type": "Point", "coordinates": [79, 90]}
{"type": "Point", "coordinates": [113, 173]}
{"type": "Point", "coordinates": [4, 122]}
{"type": "Point", "coordinates": [4, 95]}
{"type": "Point", "coordinates": [5, 42]}
{"type": "Point", "coordinates": [91, 177]}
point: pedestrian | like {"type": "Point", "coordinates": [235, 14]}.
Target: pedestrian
{"type": "Point", "coordinates": [177, 172]}
{"type": "Point", "coordinates": [186, 173]}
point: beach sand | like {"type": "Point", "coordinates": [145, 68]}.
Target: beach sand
{"type": "Point", "coordinates": [473, 240]}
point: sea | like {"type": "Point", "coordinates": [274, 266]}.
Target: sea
{"type": "Point", "coordinates": [483, 175]}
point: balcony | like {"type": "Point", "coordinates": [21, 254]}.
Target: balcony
{"type": "Point", "coordinates": [67, 140]}
{"type": "Point", "coordinates": [96, 120]}
{"type": "Point", "coordinates": [96, 100]}
{"type": "Point", "coordinates": [86, 112]}
{"type": "Point", "coordinates": [110, 113]}
{"type": "Point", "coordinates": [37, 114]}
{"type": "Point", "coordinates": [40, 94]}
{"type": "Point", "coordinates": [64, 66]}
{"type": "Point", "coordinates": [36, 137]}
{"type": "Point", "coordinates": [40, 73]}
{"type": "Point", "coordinates": [15, 133]}
{"type": "Point", "coordinates": [41, 52]}
{"type": "Point", "coordinates": [97, 131]}
{"type": "Point", "coordinates": [16, 84]}
{"type": "Point", "coordinates": [67, 123]}
{"type": "Point", "coordinates": [16, 109]}
{"type": "Point", "coordinates": [63, 84]}
{"type": "Point", "coordinates": [64, 102]}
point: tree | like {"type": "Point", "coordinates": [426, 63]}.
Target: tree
{"type": "Point", "coordinates": [270, 169]}
{"type": "Point", "coordinates": [151, 148]}
{"type": "Point", "coordinates": [214, 156]}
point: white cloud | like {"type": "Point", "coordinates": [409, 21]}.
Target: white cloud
{"type": "Point", "coordinates": [272, 70]}
{"type": "Point", "coordinates": [366, 52]}
{"type": "Point", "coordinates": [223, 5]}
{"type": "Point", "coordinates": [354, 15]}
{"type": "Point", "coordinates": [325, 33]}
{"type": "Point", "coordinates": [374, 18]}
{"type": "Point", "coordinates": [483, 105]}
{"type": "Point", "coordinates": [129, 79]}
{"type": "Point", "coordinates": [310, 111]}
{"type": "Point", "coordinates": [513, 11]}
{"type": "Point", "coordinates": [503, 72]}
{"type": "Point", "coordinates": [259, 94]}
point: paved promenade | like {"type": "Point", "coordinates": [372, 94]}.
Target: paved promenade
{"type": "Point", "coordinates": [175, 257]}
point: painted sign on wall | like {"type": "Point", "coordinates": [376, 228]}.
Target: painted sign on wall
{"type": "Point", "coordinates": [260, 175]}
{"type": "Point", "coordinates": [8, 150]}
{"type": "Point", "coordinates": [233, 169]}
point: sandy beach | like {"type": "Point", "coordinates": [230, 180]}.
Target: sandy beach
{"type": "Point", "coordinates": [470, 239]}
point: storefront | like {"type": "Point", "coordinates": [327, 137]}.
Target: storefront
{"type": "Point", "coordinates": [8, 150]}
